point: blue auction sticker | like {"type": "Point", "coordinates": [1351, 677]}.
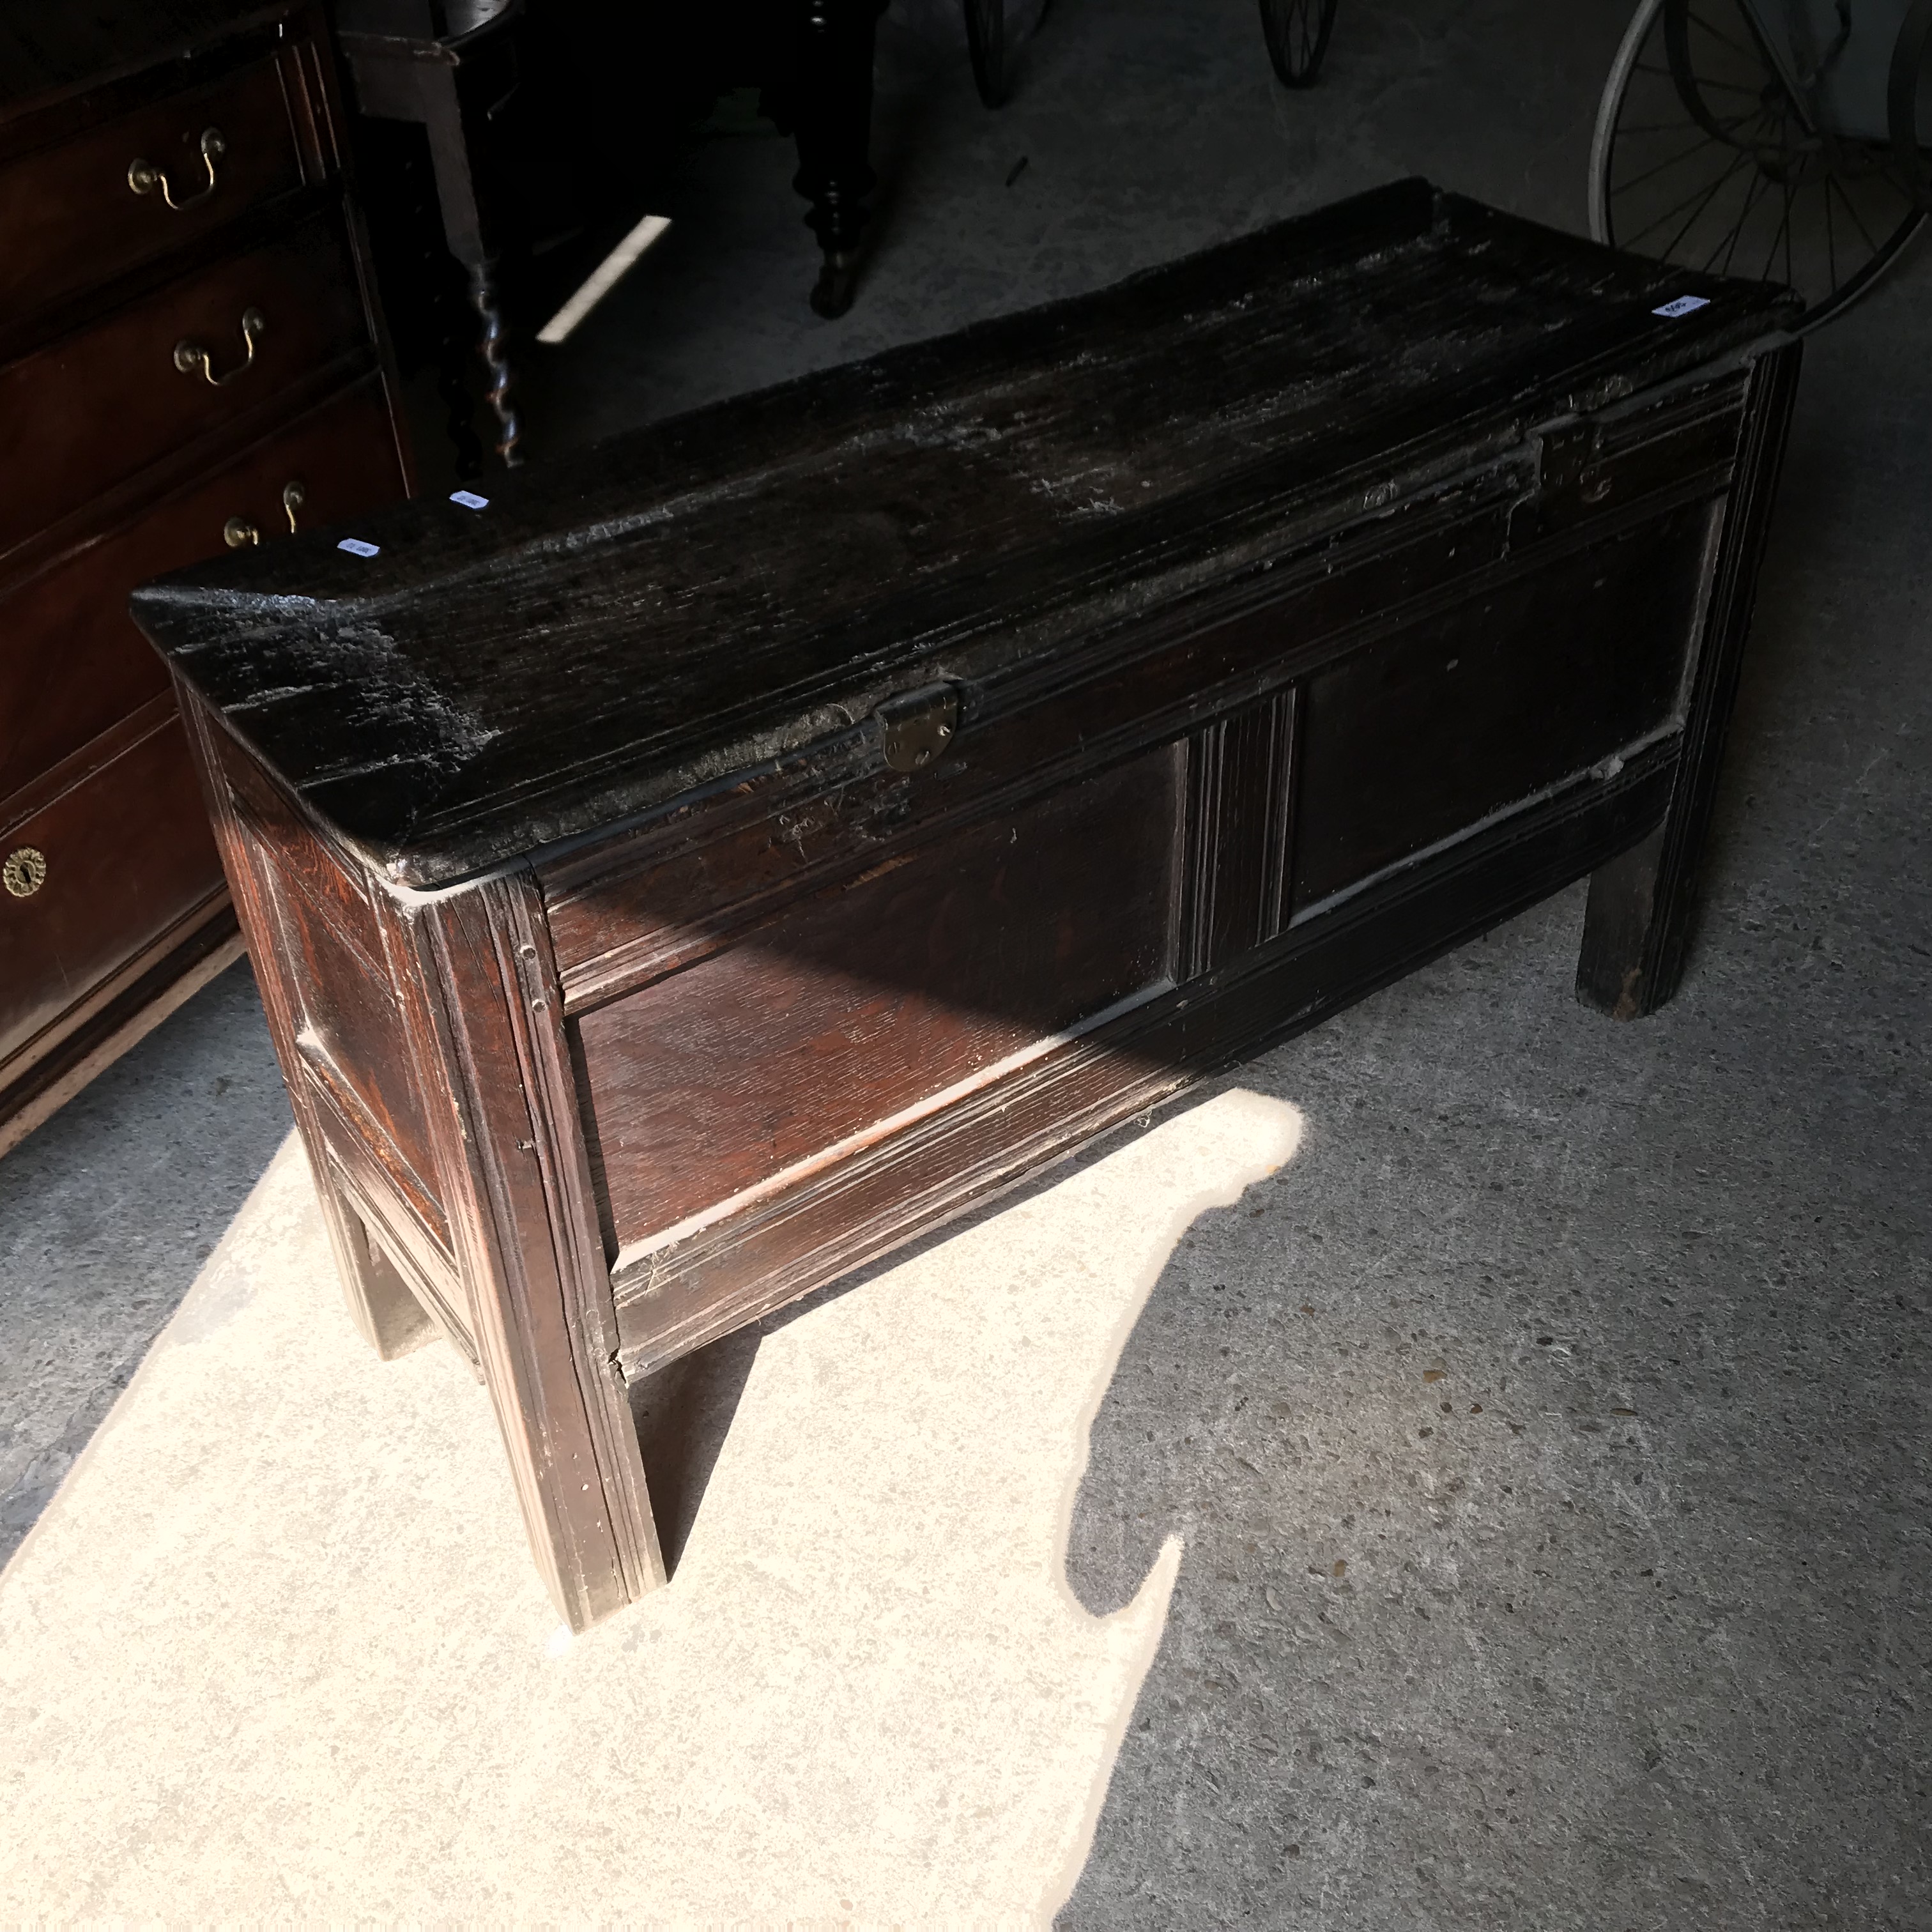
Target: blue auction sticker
{"type": "Point", "coordinates": [1683, 305]}
{"type": "Point", "coordinates": [469, 499]}
{"type": "Point", "coordinates": [356, 546]}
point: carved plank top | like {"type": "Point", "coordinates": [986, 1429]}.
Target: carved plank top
{"type": "Point", "coordinates": [687, 601]}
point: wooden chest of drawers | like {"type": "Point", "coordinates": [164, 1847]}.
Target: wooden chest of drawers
{"type": "Point", "coordinates": [189, 361]}
{"type": "Point", "coordinates": [709, 865]}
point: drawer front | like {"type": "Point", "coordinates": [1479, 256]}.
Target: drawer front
{"type": "Point", "coordinates": [85, 412]}
{"type": "Point", "coordinates": [71, 217]}
{"type": "Point", "coordinates": [127, 853]}
{"type": "Point", "coordinates": [75, 663]}
{"type": "Point", "coordinates": [840, 1022]}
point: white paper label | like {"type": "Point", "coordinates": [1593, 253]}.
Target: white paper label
{"type": "Point", "coordinates": [1683, 305]}
{"type": "Point", "coordinates": [356, 546]}
{"type": "Point", "coordinates": [469, 499]}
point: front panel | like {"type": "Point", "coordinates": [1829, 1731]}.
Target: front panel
{"type": "Point", "coordinates": [1427, 733]}
{"type": "Point", "coordinates": [854, 1012]}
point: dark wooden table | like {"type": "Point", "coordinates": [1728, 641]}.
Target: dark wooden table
{"type": "Point", "coordinates": [710, 865]}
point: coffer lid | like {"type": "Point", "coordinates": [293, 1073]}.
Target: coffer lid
{"type": "Point", "coordinates": [692, 598]}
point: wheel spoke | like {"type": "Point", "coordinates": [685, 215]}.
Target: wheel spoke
{"type": "Point", "coordinates": [1671, 214]}
{"type": "Point", "coordinates": [1690, 221]}
{"type": "Point", "coordinates": [1851, 208]}
{"type": "Point", "coordinates": [1718, 248]}
{"type": "Point", "coordinates": [1697, 146]}
{"type": "Point", "coordinates": [1754, 188]}
{"type": "Point", "coordinates": [1784, 200]}
{"type": "Point", "coordinates": [1786, 225]}
{"type": "Point", "coordinates": [1723, 40]}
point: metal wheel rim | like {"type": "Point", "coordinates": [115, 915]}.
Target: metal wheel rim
{"type": "Point", "coordinates": [1764, 149]}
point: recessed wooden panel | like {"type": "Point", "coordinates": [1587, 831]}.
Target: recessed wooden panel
{"type": "Point", "coordinates": [861, 1003]}
{"type": "Point", "coordinates": [1425, 734]}
{"type": "Point", "coordinates": [350, 1031]}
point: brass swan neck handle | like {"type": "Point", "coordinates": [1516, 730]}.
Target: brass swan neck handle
{"type": "Point", "coordinates": [144, 177]}
{"type": "Point", "coordinates": [191, 357]}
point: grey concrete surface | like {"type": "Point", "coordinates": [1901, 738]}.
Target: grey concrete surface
{"type": "Point", "coordinates": [106, 1214]}
{"type": "Point", "coordinates": [1551, 1451]}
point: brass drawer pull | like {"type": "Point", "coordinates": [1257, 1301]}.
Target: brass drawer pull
{"type": "Point", "coordinates": [191, 357]}
{"type": "Point", "coordinates": [238, 533]}
{"type": "Point", "coordinates": [24, 872]}
{"type": "Point", "coordinates": [143, 177]}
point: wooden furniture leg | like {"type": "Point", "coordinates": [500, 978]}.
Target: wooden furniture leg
{"type": "Point", "coordinates": [833, 113]}
{"type": "Point", "coordinates": [1637, 930]}
{"type": "Point", "coordinates": [404, 71]}
{"type": "Point", "coordinates": [393, 1321]}
{"type": "Point", "coordinates": [523, 1219]}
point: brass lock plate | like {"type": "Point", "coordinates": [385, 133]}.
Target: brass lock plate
{"type": "Point", "coordinates": [24, 871]}
{"type": "Point", "coordinates": [919, 725]}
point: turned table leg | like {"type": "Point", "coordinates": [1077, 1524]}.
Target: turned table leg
{"type": "Point", "coordinates": [833, 113]}
{"type": "Point", "coordinates": [1636, 931]}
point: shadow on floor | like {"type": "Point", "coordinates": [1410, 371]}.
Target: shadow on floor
{"type": "Point", "coordinates": [107, 1212]}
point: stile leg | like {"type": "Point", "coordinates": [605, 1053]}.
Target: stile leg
{"type": "Point", "coordinates": [1637, 932]}
{"type": "Point", "coordinates": [524, 1220]}
{"type": "Point", "coordinates": [1618, 971]}
{"type": "Point", "coordinates": [393, 1322]}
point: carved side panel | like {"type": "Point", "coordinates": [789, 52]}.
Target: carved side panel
{"type": "Point", "coordinates": [324, 933]}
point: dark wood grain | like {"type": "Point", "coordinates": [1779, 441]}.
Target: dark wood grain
{"type": "Point", "coordinates": [49, 49]}
{"type": "Point", "coordinates": [52, 701]}
{"type": "Point", "coordinates": [1242, 770]}
{"type": "Point", "coordinates": [1432, 604]}
{"type": "Point", "coordinates": [121, 465]}
{"type": "Point", "coordinates": [72, 221]}
{"type": "Point", "coordinates": [1637, 926]}
{"type": "Point", "coordinates": [526, 1241]}
{"type": "Point", "coordinates": [715, 590]}
{"type": "Point", "coordinates": [1435, 728]}
{"type": "Point", "coordinates": [304, 286]}
{"type": "Point", "coordinates": [115, 881]}
{"type": "Point", "coordinates": [674, 1300]}
{"type": "Point", "coordinates": [367, 1289]}
{"type": "Point", "coordinates": [870, 999]}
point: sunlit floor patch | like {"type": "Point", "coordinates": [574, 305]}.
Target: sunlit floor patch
{"type": "Point", "coordinates": [278, 1647]}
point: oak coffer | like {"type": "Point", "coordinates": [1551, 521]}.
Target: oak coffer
{"type": "Point", "coordinates": [709, 863]}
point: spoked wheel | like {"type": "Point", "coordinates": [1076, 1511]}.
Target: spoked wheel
{"type": "Point", "coordinates": [1703, 158]}
{"type": "Point", "coordinates": [986, 42]}
{"type": "Point", "coordinates": [1297, 37]}
{"type": "Point", "coordinates": [1909, 100]}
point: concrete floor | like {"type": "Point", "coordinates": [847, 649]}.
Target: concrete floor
{"type": "Point", "coordinates": [1550, 1446]}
